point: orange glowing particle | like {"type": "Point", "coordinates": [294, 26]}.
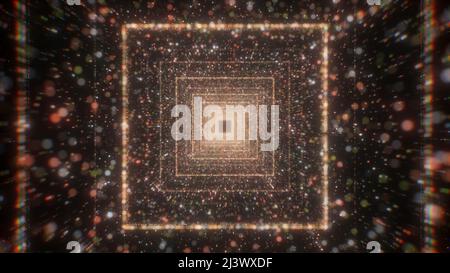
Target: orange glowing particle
{"type": "Point", "coordinates": [206, 249]}
{"type": "Point", "coordinates": [93, 193]}
{"type": "Point", "coordinates": [25, 160]}
{"type": "Point", "coordinates": [49, 198]}
{"type": "Point", "coordinates": [97, 219]}
{"type": "Point", "coordinates": [187, 250]}
{"type": "Point", "coordinates": [54, 162]}
{"type": "Point", "coordinates": [407, 125]}
{"type": "Point", "coordinates": [75, 157]}
{"type": "Point", "coordinates": [104, 11]}
{"type": "Point", "coordinates": [360, 86]}
{"type": "Point", "coordinates": [345, 117]}
{"type": "Point", "coordinates": [91, 233]}
{"type": "Point", "coordinates": [360, 15]}
{"type": "Point", "coordinates": [434, 163]}
{"type": "Point", "coordinates": [334, 93]}
{"type": "Point", "coordinates": [233, 243]}
{"type": "Point", "coordinates": [72, 193]}
{"type": "Point", "coordinates": [55, 118]}
{"type": "Point", "coordinates": [437, 213]}
{"type": "Point", "coordinates": [94, 106]}
{"type": "Point", "coordinates": [407, 232]}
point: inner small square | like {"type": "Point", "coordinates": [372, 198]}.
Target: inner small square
{"type": "Point", "coordinates": [219, 157]}
{"type": "Point", "coordinates": [228, 146]}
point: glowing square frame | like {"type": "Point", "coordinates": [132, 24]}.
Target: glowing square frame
{"type": "Point", "coordinates": [240, 147]}
{"type": "Point", "coordinates": [271, 174]}
{"type": "Point", "coordinates": [322, 225]}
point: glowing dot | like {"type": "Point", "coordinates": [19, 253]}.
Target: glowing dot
{"type": "Point", "coordinates": [91, 233]}
{"type": "Point", "coordinates": [187, 250]}
{"type": "Point", "coordinates": [436, 212]}
{"type": "Point", "coordinates": [93, 193]}
{"type": "Point", "coordinates": [407, 125]}
{"type": "Point", "coordinates": [63, 112]}
{"type": "Point", "coordinates": [360, 86]}
{"type": "Point", "coordinates": [384, 137]}
{"type": "Point", "coordinates": [26, 160]}
{"type": "Point", "coordinates": [63, 172]}
{"type": "Point", "coordinates": [445, 75]}
{"type": "Point", "coordinates": [360, 15]}
{"type": "Point", "coordinates": [72, 193]}
{"type": "Point", "coordinates": [97, 219]}
{"type": "Point", "coordinates": [54, 162]}
{"type": "Point", "coordinates": [346, 117]}
{"type": "Point", "coordinates": [55, 118]}
{"type": "Point", "coordinates": [231, 3]}
{"type": "Point", "coordinates": [279, 239]}
{"type": "Point", "coordinates": [398, 106]}
{"type": "Point", "coordinates": [47, 144]}
{"type": "Point", "coordinates": [78, 70]}
{"type": "Point", "coordinates": [72, 141]}
{"type": "Point", "coordinates": [250, 5]}
{"type": "Point", "coordinates": [94, 106]}
{"type": "Point", "coordinates": [364, 203]}
{"type": "Point", "coordinates": [81, 82]}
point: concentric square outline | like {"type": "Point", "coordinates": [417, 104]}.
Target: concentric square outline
{"type": "Point", "coordinates": [177, 174]}
{"type": "Point", "coordinates": [245, 94]}
{"type": "Point", "coordinates": [272, 79]}
{"type": "Point", "coordinates": [323, 224]}
{"type": "Point", "coordinates": [245, 145]}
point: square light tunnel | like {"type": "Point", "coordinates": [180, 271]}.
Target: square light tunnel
{"type": "Point", "coordinates": [185, 185]}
